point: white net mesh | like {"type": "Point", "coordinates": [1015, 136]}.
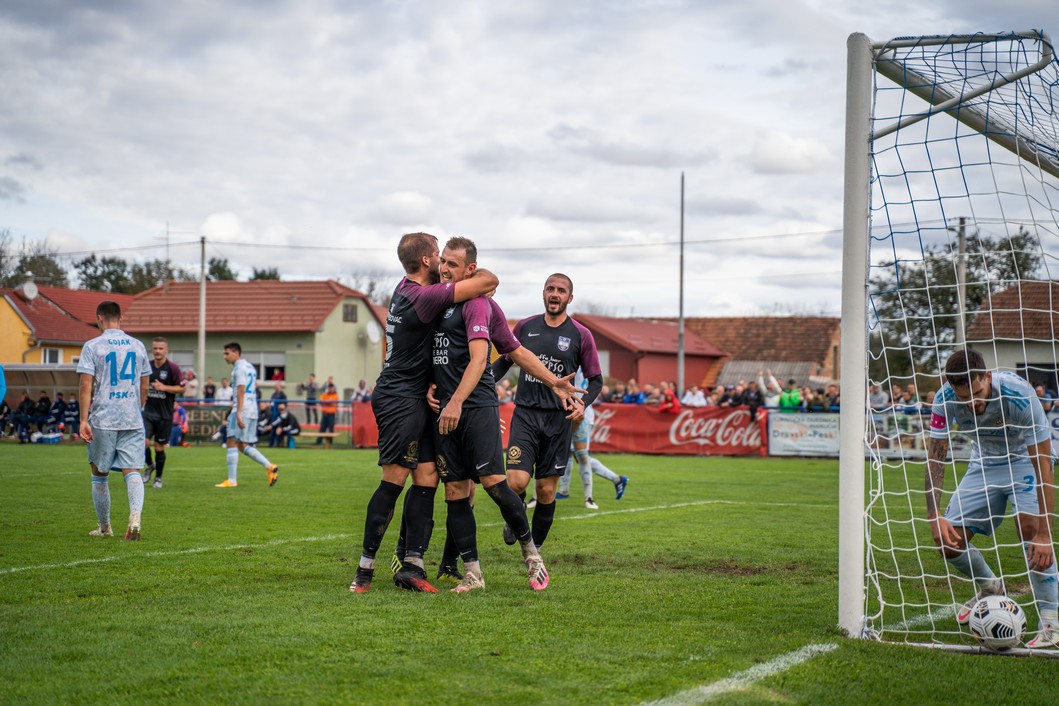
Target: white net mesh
{"type": "Point", "coordinates": [953, 177]}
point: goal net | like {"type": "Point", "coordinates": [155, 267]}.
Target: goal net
{"type": "Point", "coordinates": [951, 239]}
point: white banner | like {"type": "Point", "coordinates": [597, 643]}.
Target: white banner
{"type": "Point", "coordinates": [814, 434]}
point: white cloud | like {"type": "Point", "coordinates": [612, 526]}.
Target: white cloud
{"type": "Point", "coordinates": [776, 152]}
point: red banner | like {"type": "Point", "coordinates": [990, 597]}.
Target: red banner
{"type": "Point", "coordinates": [702, 431]}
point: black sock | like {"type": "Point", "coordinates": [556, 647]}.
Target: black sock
{"type": "Point", "coordinates": [543, 515]}
{"type": "Point", "coordinates": [419, 516]}
{"type": "Point", "coordinates": [461, 527]}
{"type": "Point", "coordinates": [512, 509]}
{"type": "Point", "coordinates": [402, 535]}
{"type": "Point", "coordinates": [450, 555]}
{"type": "Point", "coordinates": [147, 455]}
{"type": "Point", "coordinates": [159, 464]}
{"type": "Point", "coordinates": [380, 512]}
{"type": "Point", "coordinates": [522, 496]}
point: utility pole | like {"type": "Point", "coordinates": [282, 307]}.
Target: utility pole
{"type": "Point", "coordinates": [961, 282]}
{"type": "Point", "coordinates": [680, 327]}
{"type": "Point", "coordinates": [201, 372]}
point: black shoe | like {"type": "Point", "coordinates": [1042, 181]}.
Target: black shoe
{"type": "Point", "coordinates": [362, 580]}
{"type": "Point", "coordinates": [412, 578]}
{"type": "Point", "coordinates": [449, 573]}
{"type": "Point", "coordinates": [397, 562]}
{"type": "Point", "coordinates": [509, 535]}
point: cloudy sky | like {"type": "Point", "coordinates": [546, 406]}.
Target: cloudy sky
{"type": "Point", "coordinates": [308, 135]}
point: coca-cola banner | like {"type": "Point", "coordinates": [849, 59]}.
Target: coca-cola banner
{"type": "Point", "coordinates": [637, 429]}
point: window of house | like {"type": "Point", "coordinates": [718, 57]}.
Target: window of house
{"type": "Point", "coordinates": [349, 313]}
{"type": "Point", "coordinates": [51, 356]}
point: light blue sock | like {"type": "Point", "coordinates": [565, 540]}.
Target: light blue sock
{"type": "Point", "coordinates": [584, 469]}
{"type": "Point", "coordinates": [233, 464]}
{"type": "Point", "coordinates": [1045, 586]}
{"type": "Point", "coordinates": [603, 472]}
{"type": "Point", "coordinates": [101, 499]}
{"type": "Point", "coordinates": [972, 564]}
{"type": "Point", "coordinates": [256, 455]}
{"type": "Point", "coordinates": [134, 487]}
{"type": "Point", "coordinates": [564, 482]}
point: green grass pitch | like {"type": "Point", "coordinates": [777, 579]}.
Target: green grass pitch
{"type": "Point", "coordinates": [707, 568]}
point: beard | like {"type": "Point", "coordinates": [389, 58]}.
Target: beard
{"type": "Point", "coordinates": [435, 276]}
{"type": "Point", "coordinates": [555, 308]}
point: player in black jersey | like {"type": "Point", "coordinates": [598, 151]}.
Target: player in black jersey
{"type": "Point", "coordinates": [164, 386]}
{"type": "Point", "coordinates": [539, 443]}
{"type": "Point", "coordinates": [406, 441]}
{"type": "Point", "coordinates": [469, 442]}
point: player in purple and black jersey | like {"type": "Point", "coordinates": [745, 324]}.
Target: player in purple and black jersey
{"type": "Point", "coordinates": [469, 442]}
{"type": "Point", "coordinates": [406, 443]}
{"type": "Point", "coordinates": [165, 385]}
{"type": "Point", "coordinates": [539, 444]}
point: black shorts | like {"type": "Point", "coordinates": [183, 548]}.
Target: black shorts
{"type": "Point", "coordinates": [405, 435]}
{"type": "Point", "coordinates": [539, 443]}
{"type": "Point", "coordinates": [473, 449]}
{"type": "Point", "coordinates": [157, 428]}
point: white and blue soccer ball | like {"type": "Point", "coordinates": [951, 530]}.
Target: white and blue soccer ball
{"type": "Point", "coordinates": [997, 622]}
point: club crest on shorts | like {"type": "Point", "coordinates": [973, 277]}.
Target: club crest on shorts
{"type": "Point", "coordinates": [514, 454]}
{"type": "Point", "coordinates": [564, 343]}
{"type": "Point", "coordinates": [442, 465]}
{"type": "Point", "coordinates": [411, 454]}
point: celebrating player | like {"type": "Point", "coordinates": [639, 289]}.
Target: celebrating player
{"type": "Point", "coordinates": [406, 442]}
{"type": "Point", "coordinates": [113, 424]}
{"type": "Point", "coordinates": [242, 420]}
{"type": "Point", "coordinates": [1010, 462]}
{"type": "Point", "coordinates": [166, 384]}
{"type": "Point", "coordinates": [539, 444]}
{"type": "Point", "coordinates": [469, 442]}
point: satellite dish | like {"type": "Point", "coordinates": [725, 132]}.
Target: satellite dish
{"type": "Point", "coordinates": [30, 291]}
{"type": "Point", "coordinates": [374, 332]}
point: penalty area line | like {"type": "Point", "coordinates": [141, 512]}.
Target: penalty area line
{"type": "Point", "coordinates": [344, 535]}
{"type": "Point", "coordinates": [746, 678]}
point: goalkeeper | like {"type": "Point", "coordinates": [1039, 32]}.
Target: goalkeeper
{"type": "Point", "coordinates": [1010, 462]}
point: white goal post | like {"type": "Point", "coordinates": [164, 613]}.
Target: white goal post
{"type": "Point", "coordinates": [951, 213]}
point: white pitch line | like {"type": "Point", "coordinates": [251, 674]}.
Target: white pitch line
{"type": "Point", "coordinates": [744, 679]}
{"type": "Point", "coordinates": [346, 535]}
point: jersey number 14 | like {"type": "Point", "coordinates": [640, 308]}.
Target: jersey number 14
{"type": "Point", "coordinates": [128, 367]}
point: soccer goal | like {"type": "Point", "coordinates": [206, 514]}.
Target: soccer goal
{"type": "Point", "coordinates": [951, 233]}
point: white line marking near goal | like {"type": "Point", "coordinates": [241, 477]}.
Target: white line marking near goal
{"type": "Point", "coordinates": [348, 535]}
{"type": "Point", "coordinates": [746, 678]}
{"type": "Point", "coordinates": [942, 613]}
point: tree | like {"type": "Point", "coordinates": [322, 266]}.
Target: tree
{"type": "Point", "coordinates": [37, 258]}
{"type": "Point", "coordinates": [150, 274]}
{"type": "Point", "coordinates": [219, 270]}
{"type": "Point", "coordinates": [377, 285]}
{"type": "Point", "coordinates": [913, 305]}
{"type": "Point", "coordinates": [105, 274]}
{"type": "Point", "coordinates": [267, 273]}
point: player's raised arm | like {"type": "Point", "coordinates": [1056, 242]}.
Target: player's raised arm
{"type": "Point", "coordinates": [480, 283]}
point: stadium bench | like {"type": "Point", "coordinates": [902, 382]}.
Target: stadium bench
{"type": "Point", "coordinates": [328, 436]}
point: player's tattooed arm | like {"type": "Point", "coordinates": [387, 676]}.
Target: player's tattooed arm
{"type": "Point", "coordinates": [937, 455]}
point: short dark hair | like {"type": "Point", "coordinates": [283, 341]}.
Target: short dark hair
{"type": "Point", "coordinates": [569, 282]}
{"type": "Point", "coordinates": [963, 366]}
{"type": "Point", "coordinates": [160, 339]}
{"type": "Point", "coordinates": [470, 250]}
{"type": "Point", "coordinates": [233, 346]}
{"type": "Point", "coordinates": [413, 248]}
{"type": "Point", "coordinates": [110, 311]}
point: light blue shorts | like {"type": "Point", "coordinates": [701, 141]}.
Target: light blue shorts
{"type": "Point", "coordinates": [582, 435]}
{"type": "Point", "coordinates": [116, 449]}
{"type": "Point", "coordinates": [981, 499]}
{"type": "Point", "coordinates": [247, 435]}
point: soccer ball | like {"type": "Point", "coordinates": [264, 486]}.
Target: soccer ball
{"type": "Point", "coordinates": [997, 622]}
{"type": "Point", "coordinates": [35, 437]}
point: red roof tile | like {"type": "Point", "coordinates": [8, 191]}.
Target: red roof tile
{"type": "Point", "coordinates": [48, 323]}
{"type": "Point", "coordinates": [258, 306]}
{"type": "Point", "coordinates": [81, 303]}
{"type": "Point", "coordinates": [1028, 310]}
{"type": "Point", "coordinates": [778, 338]}
{"type": "Point", "coordinates": [648, 335]}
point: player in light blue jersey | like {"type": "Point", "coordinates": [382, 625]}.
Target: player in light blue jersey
{"type": "Point", "coordinates": [242, 420]}
{"type": "Point", "coordinates": [117, 365]}
{"type": "Point", "coordinates": [1011, 462]}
